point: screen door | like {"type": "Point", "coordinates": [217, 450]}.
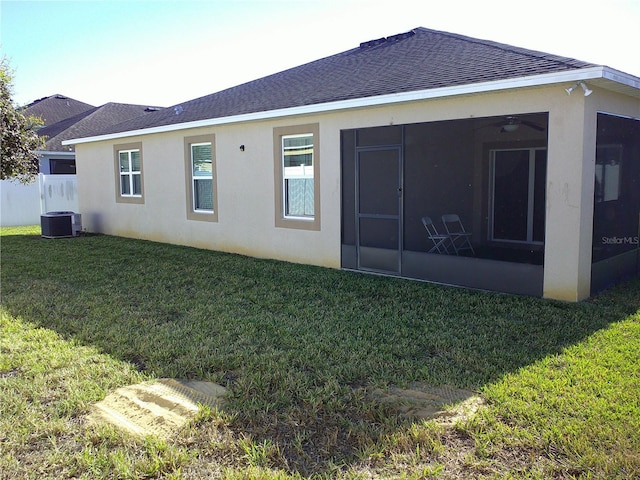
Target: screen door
{"type": "Point", "coordinates": [378, 210]}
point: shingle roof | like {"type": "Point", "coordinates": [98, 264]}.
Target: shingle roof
{"type": "Point", "coordinates": [421, 59]}
{"type": "Point", "coordinates": [55, 108]}
{"type": "Point", "coordinates": [85, 123]}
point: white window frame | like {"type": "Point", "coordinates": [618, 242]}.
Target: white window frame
{"type": "Point", "coordinates": [130, 173]}
{"type": "Point", "coordinates": [203, 215]}
{"type": "Point", "coordinates": [295, 221]}
{"type": "Point", "coordinates": [196, 178]}
{"type": "Point", "coordinates": [295, 173]}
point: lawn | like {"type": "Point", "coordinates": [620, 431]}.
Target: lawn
{"type": "Point", "coordinates": [300, 349]}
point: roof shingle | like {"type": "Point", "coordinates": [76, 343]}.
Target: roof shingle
{"type": "Point", "coordinates": [421, 59]}
{"type": "Point", "coordinates": [85, 123]}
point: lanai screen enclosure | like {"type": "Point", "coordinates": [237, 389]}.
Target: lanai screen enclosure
{"type": "Point", "coordinates": [491, 172]}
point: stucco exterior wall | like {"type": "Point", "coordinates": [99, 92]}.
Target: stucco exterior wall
{"type": "Point", "coordinates": [245, 181]}
{"type": "Point", "coordinates": [245, 197]}
{"type": "Point", "coordinates": [570, 189]}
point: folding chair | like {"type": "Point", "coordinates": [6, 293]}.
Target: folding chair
{"type": "Point", "coordinates": [460, 238]}
{"type": "Point", "coordinates": [439, 240]}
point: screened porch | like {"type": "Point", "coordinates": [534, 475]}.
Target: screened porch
{"type": "Point", "coordinates": [489, 172]}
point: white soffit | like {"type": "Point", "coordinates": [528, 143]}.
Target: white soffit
{"type": "Point", "coordinates": [605, 77]}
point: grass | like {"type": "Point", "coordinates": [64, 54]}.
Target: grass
{"type": "Point", "coordinates": [299, 349]}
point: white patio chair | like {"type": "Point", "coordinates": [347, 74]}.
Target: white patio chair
{"type": "Point", "coordinates": [439, 240]}
{"type": "Point", "coordinates": [460, 238]}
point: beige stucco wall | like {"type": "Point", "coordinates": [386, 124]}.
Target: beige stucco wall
{"type": "Point", "coordinates": [245, 181]}
{"type": "Point", "coordinates": [245, 197]}
{"type": "Point", "coordinates": [570, 189]}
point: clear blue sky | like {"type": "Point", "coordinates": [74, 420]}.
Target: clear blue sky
{"type": "Point", "coordinates": [162, 53]}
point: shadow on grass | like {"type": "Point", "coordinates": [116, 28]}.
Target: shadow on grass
{"type": "Point", "coordinates": [298, 346]}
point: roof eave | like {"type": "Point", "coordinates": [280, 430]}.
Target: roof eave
{"type": "Point", "coordinates": [590, 73]}
{"type": "Point", "coordinates": [57, 153]}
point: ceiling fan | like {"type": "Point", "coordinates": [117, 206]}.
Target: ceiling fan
{"type": "Point", "coordinates": [512, 123]}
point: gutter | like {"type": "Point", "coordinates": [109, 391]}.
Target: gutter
{"type": "Point", "coordinates": [591, 73]}
{"type": "Point", "coordinates": [53, 153]}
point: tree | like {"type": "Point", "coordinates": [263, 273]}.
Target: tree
{"type": "Point", "coordinates": [19, 141]}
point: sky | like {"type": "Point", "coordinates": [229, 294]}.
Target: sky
{"type": "Point", "coordinates": [162, 53]}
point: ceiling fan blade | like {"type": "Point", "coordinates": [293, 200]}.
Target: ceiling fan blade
{"type": "Point", "coordinates": [535, 126]}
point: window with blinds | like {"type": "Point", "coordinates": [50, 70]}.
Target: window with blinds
{"type": "Point", "coordinates": [202, 177]}
{"type": "Point", "coordinates": [298, 182]}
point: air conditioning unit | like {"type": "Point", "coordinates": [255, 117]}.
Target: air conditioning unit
{"type": "Point", "coordinates": [60, 224]}
{"type": "Point", "coordinates": [76, 224]}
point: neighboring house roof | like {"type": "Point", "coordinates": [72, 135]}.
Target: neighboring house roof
{"type": "Point", "coordinates": [88, 122]}
{"type": "Point", "coordinates": [55, 108]}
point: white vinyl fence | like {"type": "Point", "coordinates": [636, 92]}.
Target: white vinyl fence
{"type": "Point", "coordinates": [23, 204]}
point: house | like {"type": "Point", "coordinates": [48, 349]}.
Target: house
{"type": "Point", "coordinates": [57, 159]}
{"type": "Point", "coordinates": [56, 111]}
{"type": "Point", "coordinates": [22, 204]}
{"type": "Point", "coordinates": [56, 188]}
{"type": "Point", "coordinates": [55, 108]}
{"type": "Point", "coordinates": [336, 162]}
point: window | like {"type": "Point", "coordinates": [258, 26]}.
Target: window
{"type": "Point", "coordinates": [200, 170]}
{"type": "Point", "coordinates": [130, 173]}
{"type": "Point", "coordinates": [297, 169]}
{"type": "Point", "coordinates": [62, 166]}
{"type": "Point", "coordinates": [608, 159]}
{"type": "Point", "coordinates": [202, 177]}
{"type": "Point", "coordinates": [129, 184]}
{"type": "Point", "coordinates": [297, 164]}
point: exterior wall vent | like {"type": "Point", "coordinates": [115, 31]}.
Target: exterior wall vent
{"type": "Point", "coordinates": [392, 38]}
